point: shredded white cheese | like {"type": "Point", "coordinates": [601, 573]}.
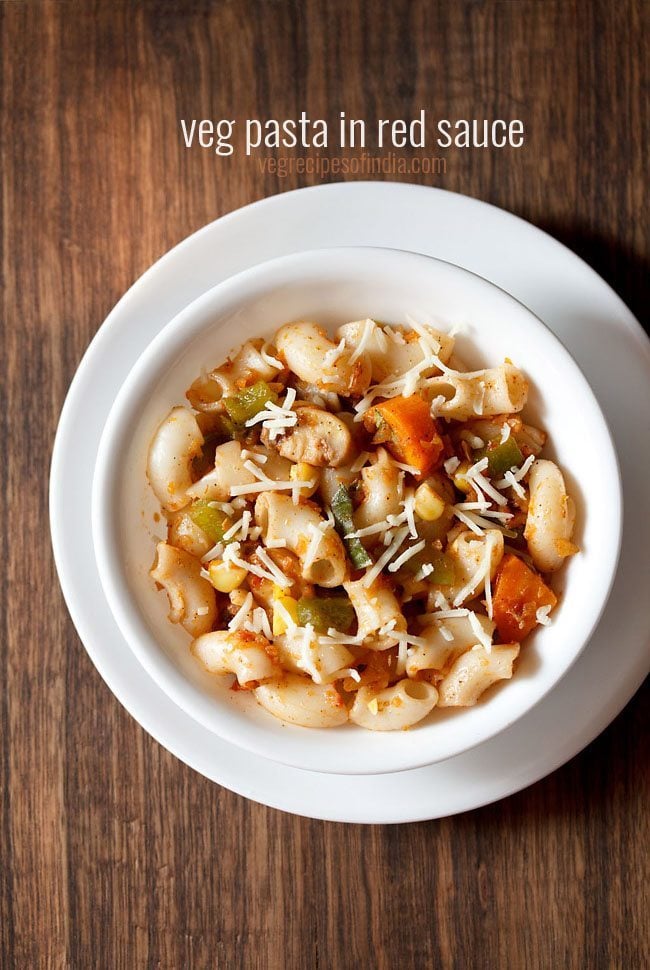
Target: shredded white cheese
{"type": "Point", "coordinates": [241, 615]}
{"type": "Point", "coordinates": [436, 405]}
{"type": "Point", "coordinates": [274, 570]}
{"type": "Point", "coordinates": [445, 614]}
{"type": "Point", "coordinates": [481, 635]}
{"type": "Point", "coordinates": [357, 465]}
{"type": "Point", "coordinates": [385, 558]}
{"type": "Point", "coordinates": [254, 456]}
{"type": "Point", "coordinates": [406, 555]}
{"type": "Point", "coordinates": [280, 608]}
{"type": "Point", "coordinates": [505, 433]}
{"type": "Point", "coordinates": [336, 637]}
{"type": "Point", "coordinates": [366, 336]}
{"type": "Point", "coordinates": [269, 486]}
{"type": "Point", "coordinates": [425, 570]}
{"type": "Point", "coordinates": [451, 465]}
{"type": "Point", "coordinates": [215, 553]}
{"type": "Point", "coordinates": [510, 478]}
{"type": "Point", "coordinates": [276, 418]}
{"type": "Point", "coordinates": [518, 473]}
{"type": "Point", "coordinates": [313, 547]}
{"type": "Point", "coordinates": [542, 615]}
{"type": "Point", "coordinates": [333, 355]}
{"type": "Point", "coordinates": [482, 573]}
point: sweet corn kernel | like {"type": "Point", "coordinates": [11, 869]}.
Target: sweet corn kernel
{"type": "Point", "coordinates": [280, 597]}
{"type": "Point", "coordinates": [428, 504]}
{"type": "Point", "coordinates": [302, 472]}
{"type": "Point", "coordinates": [460, 481]}
{"type": "Point", "coordinates": [225, 576]}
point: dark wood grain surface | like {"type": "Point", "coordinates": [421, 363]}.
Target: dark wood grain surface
{"type": "Point", "coordinates": [112, 853]}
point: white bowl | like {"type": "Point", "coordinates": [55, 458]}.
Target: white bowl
{"type": "Point", "coordinates": [333, 286]}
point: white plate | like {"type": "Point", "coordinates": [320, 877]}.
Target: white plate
{"type": "Point", "coordinates": [579, 307]}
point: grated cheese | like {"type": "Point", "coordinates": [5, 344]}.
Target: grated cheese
{"type": "Point", "coordinates": [241, 525]}
{"type": "Point", "coordinates": [204, 574]}
{"type": "Point", "coordinates": [451, 465]}
{"type": "Point", "coordinates": [436, 404]}
{"type": "Point", "coordinates": [386, 628]}
{"type": "Point", "coordinates": [286, 616]}
{"type": "Point", "coordinates": [445, 633]}
{"type": "Point", "coordinates": [411, 469]}
{"type": "Point", "coordinates": [259, 623]}
{"type": "Point", "coordinates": [405, 385]}
{"type": "Point", "coordinates": [241, 615]}
{"type": "Point", "coordinates": [510, 478]}
{"type": "Point", "coordinates": [225, 507]}
{"type": "Point", "coordinates": [505, 433]}
{"type": "Point", "coordinates": [407, 639]}
{"type": "Point", "coordinates": [447, 614]}
{"type": "Point", "coordinates": [395, 334]}
{"type": "Point", "coordinates": [314, 545]}
{"type": "Point", "coordinates": [406, 555]}
{"type": "Point", "coordinates": [366, 336]}
{"type": "Point", "coordinates": [336, 637]}
{"type": "Point", "coordinates": [518, 473]}
{"type": "Point", "coordinates": [254, 456]}
{"type": "Point", "coordinates": [440, 601]}
{"type": "Point", "coordinates": [276, 572]}
{"type": "Point", "coordinates": [269, 486]}
{"type": "Point", "coordinates": [382, 340]}
{"type": "Point", "coordinates": [275, 417]}
{"type": "Point", "coordinates": [400, 666]}
{"type": "Point", "coordinates": [429, 343]}
{"type": "Point", "coordinates": [333, 355]}
{"type": "Point", "coordinates": [385, 558]}
{"type": "Point", "coordinates": [468, 519]}
{"type": "Point", "coordinates": [360, 462]}
{"type": "Point", "coordinates": [215, 553]}
{"type": "Point", "coordinates": [349, 672]}
{"type": "Point", "coordinates": [481, 636]}
{"type": "Point", "coordinates": [424, 571]}
{"type": "Point", "coordinates": [276, 543]}
{"type": "Point", "coordinates": [482, 573]}
{"type": "Point", "coordinates": [542, 615]}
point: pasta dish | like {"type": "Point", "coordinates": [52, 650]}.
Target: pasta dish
{"type": "Point", "coordinates": [360, 528]}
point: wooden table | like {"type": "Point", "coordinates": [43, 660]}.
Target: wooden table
{"type": "Point", "coordinates": [113, 853]}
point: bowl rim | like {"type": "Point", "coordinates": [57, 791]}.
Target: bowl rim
{"type": "Point", "coordinates": [106, 482]}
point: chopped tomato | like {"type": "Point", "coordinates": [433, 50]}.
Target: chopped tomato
{"type": "Point", "coordinates": [518, 594]}
{"type": "Point", "coordinates": [409, 431]}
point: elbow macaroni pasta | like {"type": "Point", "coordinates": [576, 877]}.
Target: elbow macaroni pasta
{"type": "Point", "coordinates": [358, 528]}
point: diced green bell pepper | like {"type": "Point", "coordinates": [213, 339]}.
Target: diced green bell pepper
{"type": "Point", "coordinates": [245, 405]}
{"type": "Point", "coordinates": [326, 612]}
{"type": "Point", "coordinates": [501, 458]}
{"type": "Point", "coordinates": [210, 520]}
{"type": "Point", "coordinates": [444, 573]}
{"type": "Point", "coordinates": [342, 512]}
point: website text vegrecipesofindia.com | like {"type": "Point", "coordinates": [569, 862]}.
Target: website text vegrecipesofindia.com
{"type": "Point", "coordinates": [325, 165]}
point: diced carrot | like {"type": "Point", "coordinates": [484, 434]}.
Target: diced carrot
{"type": "Point", "coordinates": [412, 434]}
{"type": "Point", "coordinates": [518, 593]}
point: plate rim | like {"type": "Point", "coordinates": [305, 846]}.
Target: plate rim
{"type": "Point", "coordinates": [95, 346]}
